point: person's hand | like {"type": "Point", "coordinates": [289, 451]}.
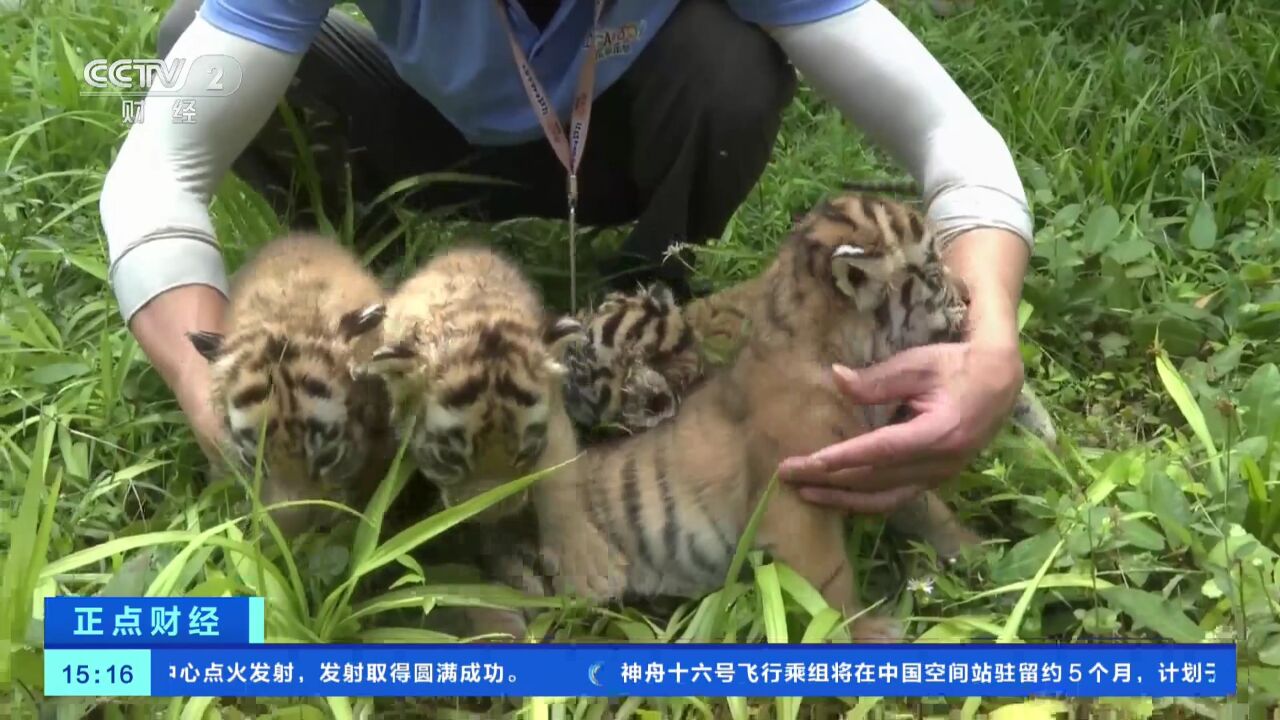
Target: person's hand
{"type": "Point", "coordinates": [961, 394]}
{"type": "Point", "coordinates": [161, 328]}
{"type": "Point", "coordinates": [192, 391]}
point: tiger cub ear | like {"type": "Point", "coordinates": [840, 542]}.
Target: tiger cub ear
{"type": "Point", "coordinates": [852, 270]}
{"type": "Point", "coordinates": [389, 362]}
{"type": "Point", "coordinates": [358, 322]}
{"type": "Point", "coordinates": [208, 344]}
{"type": "Point", "coordinates": [559, 335]}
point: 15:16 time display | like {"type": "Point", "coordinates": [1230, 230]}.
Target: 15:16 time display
{"type": "Point", "coordinates": [84, 674]}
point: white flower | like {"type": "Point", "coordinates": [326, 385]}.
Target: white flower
{"type": "Point", "coordinates": [921, 585]}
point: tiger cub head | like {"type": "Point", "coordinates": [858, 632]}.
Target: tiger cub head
{"type": "Point", "coordinates": [481, 395]}
{"type": "Point", "coordinates": [882, 257]}
{"type": "Point", "coordinates": [290, 384]}
{"type": "Point", "coordinates": [640, 355]}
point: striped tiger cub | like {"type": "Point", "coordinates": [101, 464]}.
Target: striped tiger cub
{"type": "Point", "coordinates": [638, 360]}
{"type": "Point", "coordinates": [661, 512]}
{"type": "Point", "coordinates": [302, 312]}
{"type": "Point", "coordinates": [721, 322]}
{"type": "Point", "coordinates": [473, 361]}
{"type": "Point", "coordinates": [643, 349]}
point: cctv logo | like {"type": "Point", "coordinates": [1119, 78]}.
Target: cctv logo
{"type": "Point", "coordinates": [205, 76]}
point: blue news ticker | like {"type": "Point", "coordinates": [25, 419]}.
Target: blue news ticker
{"type": "Point", "coordinates": [492, 670]}
{"type": "Point", "coordinates": [146, 622]}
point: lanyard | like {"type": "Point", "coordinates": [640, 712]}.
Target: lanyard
{"type": "Point", "coordinates": [567, 148]}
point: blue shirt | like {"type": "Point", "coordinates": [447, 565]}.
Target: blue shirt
{"type": "Point", "coordinates": [455, 53]}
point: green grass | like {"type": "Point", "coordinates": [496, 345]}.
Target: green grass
{"type": "Point", "coordinates": [1147, 135]}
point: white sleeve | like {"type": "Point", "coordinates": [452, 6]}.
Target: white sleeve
{"type": "Point", "coordinates": [155, 198]}
{"type": "Point", "coordinates": [879, 75]}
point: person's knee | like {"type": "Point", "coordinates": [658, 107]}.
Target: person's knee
{"type": "Point", "coordinates": [174, 23]}
{"type": "Point", "coordinates": [753, 89]}
{"type": "Point", "coordinates": [736, 71]}
{"type": "Point", "coordinates": [751, 108]}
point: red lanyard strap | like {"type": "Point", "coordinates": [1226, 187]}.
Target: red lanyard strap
{"type": "Point", "coordinates": [567, 149]}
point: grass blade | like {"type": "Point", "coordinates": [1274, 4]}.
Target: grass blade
{"type": "Point", "coordinates": [1182, 397]}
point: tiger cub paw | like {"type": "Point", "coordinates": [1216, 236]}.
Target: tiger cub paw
{"type": "Point", "coordinates": [877, 629]}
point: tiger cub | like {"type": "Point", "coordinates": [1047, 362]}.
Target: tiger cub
{"type": "Point", "coordinates": [653, 372]}
{"type": "Point", "coordinates": [638, 360]}
{"type": "Point", "coordinates": [474, 363]}
{"type": "Point", "coordinates": [301, 313]}
{"type": "Point", "coordinates": [720, 322]}
{"type": "Point", "coordinates": [661, 512]}
{"type": "Point", "coordinates": [646, 351]}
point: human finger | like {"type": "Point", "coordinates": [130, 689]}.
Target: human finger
{"type": "Point", "coordinates": [929, 473]}
{"type": "Point", "coordinates": [907, 374]}
{"type": "Point", "coordinates": [862, 503]}
{"type": "Point", "coordinates": [204, 422]}
{"type": "Point", "coordinates": [919, 439]}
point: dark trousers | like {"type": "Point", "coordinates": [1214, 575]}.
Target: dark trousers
{"type": "Point", "coordinates": [675, 145]}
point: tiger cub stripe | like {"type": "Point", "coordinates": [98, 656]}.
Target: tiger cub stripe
{"type": "Point", "coordinates": [302, 311]}
{"type": "Point", "coordinates": [474, 366]}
